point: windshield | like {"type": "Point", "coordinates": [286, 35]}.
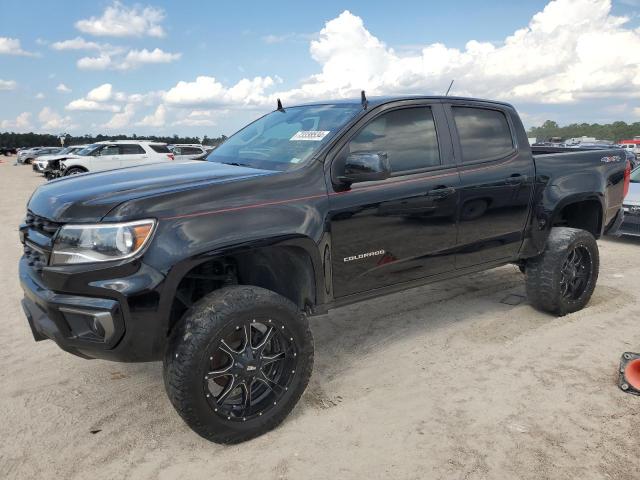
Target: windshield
{"type": "Point", "coordinates": [283, 139]}
{"type": "Point", "coordinates": [635, 176]}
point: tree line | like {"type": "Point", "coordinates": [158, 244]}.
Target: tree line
{"type": "Point", "coordinates": [615, 131]}
{"type": "Point", "coordinates": [17, 140]}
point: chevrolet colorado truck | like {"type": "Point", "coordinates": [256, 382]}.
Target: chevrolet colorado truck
{"type": "Point", "coordinates": [215, 266]}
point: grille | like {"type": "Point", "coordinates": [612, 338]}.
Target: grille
{"type": "Point", "coordinates": [36, 259]}
{"type": "Point", "coordinates": [37, 248]}
{"type": "Point", "coordinates": [41, 224]}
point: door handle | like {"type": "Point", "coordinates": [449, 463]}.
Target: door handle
{"type": "Point", "coordinates": [515, 179]}
{"type": "Point", "coordinates": [441, 192]}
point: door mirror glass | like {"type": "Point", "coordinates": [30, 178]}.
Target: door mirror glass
{"type": "Point", "coordinates": [365, 167]}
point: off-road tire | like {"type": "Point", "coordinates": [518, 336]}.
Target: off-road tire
{"type": "Point", "coordinates": [192, 338]}
{"type": "Point", "coordinates": [543, 273]}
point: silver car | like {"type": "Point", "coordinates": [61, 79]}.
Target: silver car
{"type": "Point", "coordinates": [631, 207]}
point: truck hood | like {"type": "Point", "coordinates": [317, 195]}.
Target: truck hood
{"type": "Point", "coordinates": [89, 197]}
{"type": "Point", "coordinates": [633, 197]}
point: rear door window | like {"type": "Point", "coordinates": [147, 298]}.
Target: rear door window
{"type": "Point", "coordinates": [131, 149]}
{"type": "Point", "coordinates": [484, 134]}
{"type": "Point", "coordinates": [160, 148]}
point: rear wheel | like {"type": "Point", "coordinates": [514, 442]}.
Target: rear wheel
{"type": "Point", "coordinates": [562, 279]}
{"type": "Point", "coordinates": [238, 362]}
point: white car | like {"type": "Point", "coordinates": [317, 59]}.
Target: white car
{"type": "Point", "coordinates": [40, 164]}
{"type": "Point", "coordinates": [116, 154]}
{"type": "Point", "coordinates": [184, 151]}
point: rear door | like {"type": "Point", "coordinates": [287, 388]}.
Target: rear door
{"type": "Point", "coordinates": [403, 228]}
{"type": "Point", "coordinates": [496, 175]}
{"type": "Point", "coordinates": [132, 154]}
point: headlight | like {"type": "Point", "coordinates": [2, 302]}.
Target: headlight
{"type": "Point", "coordinates": [100, 242]}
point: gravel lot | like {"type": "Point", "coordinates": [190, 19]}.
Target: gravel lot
{"type": "Point", "coordinates": [443, 381]}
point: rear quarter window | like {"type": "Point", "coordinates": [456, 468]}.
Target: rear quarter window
{"type": "Point", "coordinates": [484, 134]}
{"type": "Point", "coordinates": [160, 148]}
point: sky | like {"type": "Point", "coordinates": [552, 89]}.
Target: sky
{"type": "Point", "coordinates": [207, 68]}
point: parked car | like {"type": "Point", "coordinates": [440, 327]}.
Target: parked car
{"type": "Point", "coordinates": [116, 154]}
{"type": "Point", "coordinates": [41, 163]}
{"type": "Point", "coordinates": [27, 154]}
{"type": "Point", "coordinates": [188, 151]}
{"type": "Point", "coordinates": [214, 266]}
{"type": "Point", "coordinates": [631, 206]}
{"type": "Point", "coordinates": [6, 151]}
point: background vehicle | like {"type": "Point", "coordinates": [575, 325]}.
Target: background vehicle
{"type": "Point", "coordinates": [214, 266]}
{"type": "Point", "coordinates": [631, 223]}
{"type": "Point", "coordinates": [116, 154]}
{"type": "Point", "coordinates": [27, 153]}
{"type": "Point", "coordinates": [188, 152]}
{"type": "Point", "coordinates": [41, 163]}
{"type": "Point", "coordinates": [6, 151]}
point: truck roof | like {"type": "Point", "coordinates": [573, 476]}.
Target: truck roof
{"type": "Point", "coordinates": [379, 100]}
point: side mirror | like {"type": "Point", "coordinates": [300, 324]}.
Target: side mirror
{"type": "Point", "coordinates": [365, 167]}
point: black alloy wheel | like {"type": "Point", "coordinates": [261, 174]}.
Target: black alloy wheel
{"type": "Point", "coordinates": [575, 273]}
{"type": "Point", "coordinates": [238, 362]}
{"type": "Point", "coordinates": [250, 368]}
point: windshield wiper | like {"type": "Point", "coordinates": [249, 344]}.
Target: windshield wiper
{"type": "Point", "coordinates": [236, 164]}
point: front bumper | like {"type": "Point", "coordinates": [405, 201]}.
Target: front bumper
{"type": "Point", "coordinates": [77, 324]}
{"type": "Point", "coordinates": [84, 322]}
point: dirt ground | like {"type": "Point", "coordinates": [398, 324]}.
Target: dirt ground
{"type": "Point", "coordinates": [439, 382]}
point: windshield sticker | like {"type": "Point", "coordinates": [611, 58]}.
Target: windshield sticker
{"type": "Point", "coordinates": [309, 135]}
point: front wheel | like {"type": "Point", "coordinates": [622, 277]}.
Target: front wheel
{"type": "Point", "coordinates": [561, 280]}
{"type": "Point", "coordinates": [238, 362]}
{"type": "Point", "coordinates": [74, 171]}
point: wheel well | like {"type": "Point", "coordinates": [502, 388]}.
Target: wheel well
{"type": "Point", "coordinates": [287, 271]}
{"type": "Point", "coordinates": [77, 167]}
{"type": "Point", "coordinates": [585, 215]}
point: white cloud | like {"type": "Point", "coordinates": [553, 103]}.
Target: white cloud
{"type": "Point", "coordinates": [121, 120]}
{"type": "Point", "coordinates": [572, 49]}
{"type": "Point", "coordinates": [77, 43]}
{"type": "Point", "coordinates": [208, 91]}
{"type": "Point", "coordinates": [102, 93]}
{"type": "Point", "coordinates": [39, 96]}
{"type": "Point", "coordinates": [200, 118]}
{"type": "Point", "coordinates": [21, 123]}
{"type": "Point", "coordinates": [11, 46]}
{"type": "Point", "coordinates": [52, 122]}
{"type": "Point", "coordinates": [101, 62]}
{"type": "Point", "coordinates": [95, 100]}
{"type": "Point", "coordinates": [63, 88]}
{"type": "Point", "coordinates": [133, 59]}
{"type": "Point", "coordinates": [119, 20]}
{"type": "Point", "coordinates": [8, 84]}
{"type": "Point", "coordinates": [83, 104]}
{"type": "Point", "coordinates": [156, 119]}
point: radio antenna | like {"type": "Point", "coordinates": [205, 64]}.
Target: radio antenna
{"type": "Point", "coordinates": [449, 89]}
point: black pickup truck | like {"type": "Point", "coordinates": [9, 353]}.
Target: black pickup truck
{"type": "Point", "coordinates": [215, 266]}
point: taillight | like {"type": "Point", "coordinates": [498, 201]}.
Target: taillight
{"type": "Point", "coordinates": [627, 179]}
{"type": "Point", "coordinates": [171, 156]}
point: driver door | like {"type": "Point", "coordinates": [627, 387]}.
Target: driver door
{"type": "Point", "coordinates": [107, 159]}
{"type": "Point", "coordinates": [402, 228]}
